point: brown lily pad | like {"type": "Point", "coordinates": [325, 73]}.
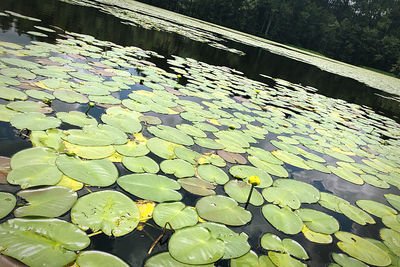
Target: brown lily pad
{"type": "Point", "coordinates": [231, 157]}
{"type": "Point", "coordinates": [150, 120]}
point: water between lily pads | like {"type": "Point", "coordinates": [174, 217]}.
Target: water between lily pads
{"type": "Point", "coordinates": [133, 247]}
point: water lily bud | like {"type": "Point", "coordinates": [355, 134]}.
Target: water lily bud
{"type": "Point", "coordinates": [91, 104]}
{"type": "Point", "coordinates": [254, 180]}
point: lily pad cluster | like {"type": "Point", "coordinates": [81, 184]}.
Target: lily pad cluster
{"type": "Point", "coordinates": [153, 137]}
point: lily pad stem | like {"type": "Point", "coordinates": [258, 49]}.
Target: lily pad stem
{"type": "Point", "coordinates": [248, 199]}
{"type": "Point", "coordinates": [161, 236]}
{"type": "Point", "coordinates": [90, 105]}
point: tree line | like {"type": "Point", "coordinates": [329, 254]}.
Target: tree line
{"type": "Point", "coordinates": [360, 32]}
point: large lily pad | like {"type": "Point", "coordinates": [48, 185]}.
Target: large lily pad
{"type": "Point", "coordinates": [273, 242]}
{"type": "Point", "coordinates": [291, 159]}
{"type": "Point", "coordinates": [355, 214]}
{"type": "Point", "coordinates": [50, 201]}
{"type": "Point", "coordinates": [164, 259]}
{"type": "Point", "coordinates": [375, 208]}
{"type": "Point", "coordinates": [176, 213]}
{"type": "Point", "coordinates": [171, 134]}
{"type": "Point", "coordinates": [140, 164]}
{"type": "Point", "coordinates": [32, 156]}
{"type": "Point", "coordinates": [93, 172]}
{"type": "Point", "coordinates": [89, 152]}
{"type": "Point", "coordinates": [40, 242]}
{"type": "Point", "coordinates": [211, 173]}
{"type": "Point", "coordinates": [239, 191]}
{"type": "Point", "coordinates": [29, 106]}
{"type": "Point", "coordinates": [34, 121]}
{"type": "Point", "coordinates": [76, 118]}
{"type": "Point", "coordinates": [132, 149]}
{"type": "Point", "coordinates": [123, 122]}
{"type": "Point", "coordinates": [197, 186]}
{"type": "Point", "coordinates": [110, 211]}
{"type": "Point", "coordinates": [195, 245]}
{"type": "Point", "coordinates": [223, 210]}
{"type": "Point", "coordinates": [150, 186]}
{"type": "Point", "coordinates": [70, 96]}
{"type": "Point", "coordinates": [362, 249]}
{"type": "Point", "coordinates": [12, 94]}
{"type": "Point", "coordinates": [177, 167]}
{"type": "Point", "coordinates": [318, 221]}
{"type": "Point", "coordinates": [282, 219]}
{"type": "Point", "coordinates": [99, 258]}
{"type": "Point", "coordinates": [281, 197]}
{"type": "Point", "coordinates": [306, 193]}
{"type": "Point", "coordinates": [96, 135]}
{"type": "Point", "coordinates": [34, 175]}
{"type": "Point", "coordinates": [162, 148]}
{"type": "Point", "coordinates": [271, 168]}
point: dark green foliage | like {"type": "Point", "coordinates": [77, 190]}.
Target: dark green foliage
{"type": "Point", "coordinates": [361, 32]}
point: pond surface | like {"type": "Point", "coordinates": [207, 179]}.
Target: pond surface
{"type": "Point", "coordinates": [367, 111]}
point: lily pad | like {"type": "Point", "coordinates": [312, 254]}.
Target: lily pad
{"type": "Point", "coordinates": [232, 157]}
{"type": "Point", "coordinates": [123, 122]}
{"type": "Point", "coordinates": [109, 211]}
{"type": "Point", "coordinates": [29, 106]}
{"type": "Point", "coordinates": [76, 118]}
{"type": "Point", "coordinates": [375, 208]}
{"type": "Point", "coordinates": [331, 202]}
{"type": "Point", "coordinates": [239, 191]}
{"type": "Point", "coordinates": [197, 186]}
{"type": "Point", "coordinates": [99, 172]}
{"type": "Point", "coordinates": [195, 245]}
{"type": "Point", "coordinates": [211, 173]}
{"type": "Point", "coordinates": [251, 259]}
{"type": "Point", "coordinates": [100, 135]}
{"type": "Point", "coordinates": [164, 259]}
{"type": "Point", "coordinates": [70, 96]}
{"type": "Point", "coordinates": [245, 172]}
{"type": "Point", "coordinates": [34, 175]}
{"type": "Point", "coordinates": [150, 186]}
{"type": "Point", "coordinates": [391, 239]}
{"type": "Point", "coordinates": [177, 167]}
{"type": "Point", "coordinates": [99, 258]}
{"type": "Point", "coordinates": [162, 148]}
{"type": "Point", "coordinates": [273, 169]}
{"type": "Point", "coordinates": [394, 200]}
{"type": "Point", "coordinates": [50, 201]}
{"type": "Point", "coordinates": [176, 213]}
{"type": "Point", "coordinates": [208, 143]}
{"type": "Point", "coordinates": [34, 121]}
{"type": "Point", "coordinates": [132, 149]}
{"type": "Point", "coordinates": [282, 219]}
{"type": "Point", "coordinates": [284, 259]}
{"type": "Point", "coordinates": [48, 240]}
{"type": "Point", "coordinates": [346, 174]}
{"type": "Point", "coordinates": [187, 155]}
{"type": "Point", "coordinates": [306, 193]}
{"type": "Point", "coordinates": [191, 130]}
{"type": "Point", "coordinates": [316, 237]}
{"type": "Point", "coordinates": [344, 260]}
{"type": "Point", "coordinates": [32, 156]}
{"type": "Point", "coordinates": [318, 221]}
{"type": "Point", "coordinates": [281, 197]}
{"type": "Point", "coordinates": [7, 201]}
{"type": "Point", "coordinates": [355, 214]}
{"type": "Point", "coordinates": [12, 94]}
{"type": "Point", "coordinates": [222, 209]}
{"type": "Point", "coordinates": [362, 249]}
{"type": "Point", "coordinates": [273, 242]}
{"type": "Point", "coordinates": [291, 159]}
{"type": "Point", "coordinates": [89, 152]}
{"type": "Point", "coordinates": [171, 134]}
{"type": "Point", "coordinates": [140, 164]}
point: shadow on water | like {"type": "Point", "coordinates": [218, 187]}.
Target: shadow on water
{"type": "Point", "coordinates": [256, 61]}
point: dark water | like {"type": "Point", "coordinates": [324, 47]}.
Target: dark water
{"type": "Point", "coordinates": [133, 247]}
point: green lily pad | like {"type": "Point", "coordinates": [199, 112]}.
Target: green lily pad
{"type": "Point", "coordinates": [17, 72]}
{"type": "Point", "coordinates": [375, 208]}
{"type": "Point", "coordinates": [374, 181]}
{"type": "Point", "coordinates": [195, 245]}
{"type": "Point", "coordinates": [344, 260]}
{"type": "Point", "coordinates": [176, 213]}
{"type": "Point", "coordinates": [284, 259]}
{"type": "Point", "coordinates": [355, 214]}
{"type": "Point", "coordinates": [211, 173]}
{"type": "Point", "coordinates": [48, 240]}
{"type": "Point", "coordinates": [306, 193]}
{"type": "Point", "coordinates": [76, 118]}
{"type": "Point", "coordinates": [162, 148]}
{"type": "Point", "coordinates": [96, 135]}
{"type": "Point", "coordinates": [197, 186]}
{"type": "Point", "coordinates": [291, 159]}
{"type": "Point", "coordinates": [29, 106]}
{"type": "Point", "coordinates": [140, 164]}
{"type": "Point", "coordinates": [177, 167]}
{"type": "Point", "coordinates": [12, 94]}
{"type": "Point", "coordinates": [271, 168]}
{"type": "Point", "coordinates": [86, 77]}
{"type": "Point", "coordinates": [109, 211]}
{"type": "Point", "coordinates": [239, 191]}
{"type": "Point", "coordinates": [34, 175]}
{"type": "Point", "coordinates": [89, 152]}
{"type": "Point", "coordinates": [151, 186]}
{"type": "Point", "coordinates": [100, 172]}
{"type": "Point", "coordinates": [222, 209]}
{"type": "Point", "coordinates": [191, 130]}
{"type": "Point", "coordinates": [6, 114]}
{"type": "Point", "coordinates": [187, 155]}
{"type": "Point", "coordinates": [282, 219]}
{"type": "Point", "coordinates": [331, 202]}
{"type": "Point", "coordinates": [50, 138]}
{"type": "Point", "coordinates": [281, 197]}
{"type": "Point", "coordinates": [171, 134]}
{"type": "Point", "coordinates": [391, 239]}
{"type": "Point", "coordinates": [7, 201]}
{"type": "Point", "coordinates": [70, 96]}
{"type": "Point", "coordinates": [236, 245]}
{"type": "Point", "coordinates": [392, 221]}
{"type": "Point", "coordinates": [205, 127]}
{"type": "Point", "coordinates": [123, 122]}
{"type": "Point", "coordinates": [20, 63]}
{"type": "Point", "coordinates": [245, 171]}
{"type": "Point", "coordinates": [318, 221]}
{"type": "Point", "coordinates": [208, 143]}
{"type": "Point", "coordinates": [394, 200]}
{"type": "Point", "coordinates": [34, 121]}
{"type": "Point", "coordinates": [251, 259]}
{"type": "Point", "coordinates": [99, 258]}
{"type": "Point", "coordinates": [39, 94]}
{"type": "Point", "coordinates": [362, 249]}
{"type": "Point", "coordinates": [346, 174]}
{"type": "Point", "coordinates": [164, 259]}
{"type": "Point", "coordinates": [50, 201]}
{"type": "Point", "coordinates": [273, 242]}
{"type": "Point", "coordinates": [32, 156]}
